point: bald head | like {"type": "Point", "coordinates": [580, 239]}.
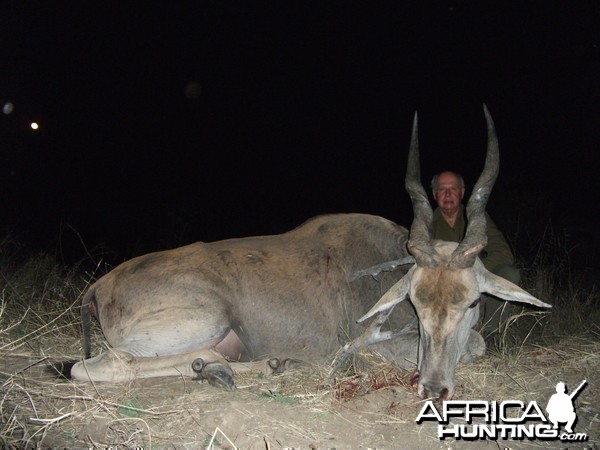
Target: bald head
{"type": "Point", "coordinates": [448, 191]}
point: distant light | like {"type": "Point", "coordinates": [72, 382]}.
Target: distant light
{"type": "Point", "coordinates": [34, 126]}
{"type": "Point", "coordinates": [8, 108]}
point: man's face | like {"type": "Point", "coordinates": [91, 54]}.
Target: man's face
{"type": "Point", "coordinates": [448, 194]}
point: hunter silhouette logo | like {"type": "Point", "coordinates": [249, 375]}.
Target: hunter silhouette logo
{"type": "Point", "coordinates": [560, 407]}
{"type": "Point", "coordinates": [508, 419]}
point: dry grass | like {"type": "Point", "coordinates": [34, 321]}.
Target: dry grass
{"type": "Point", "coordinates": [39, 411]}
{"type": "Point", "coordinates": [39, 320]}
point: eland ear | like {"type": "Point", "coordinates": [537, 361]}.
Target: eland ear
{"type": "Point", "coordinates": [392, 297]}
{"type": "Point", "coordinates": [504, 289]}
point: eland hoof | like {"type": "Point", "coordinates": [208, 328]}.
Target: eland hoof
{"type": "Point", "coordinates": [215, 373]}
{"type": "Point", "coordinates": [275, 366]}
{"type": "Point", "coordinates": [414, 379]}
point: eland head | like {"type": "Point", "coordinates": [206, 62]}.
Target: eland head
{"type": "Point", "coordinates": [447, 279]}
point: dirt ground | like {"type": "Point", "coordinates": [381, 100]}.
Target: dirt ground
{"type": "Point", "coordinates": [374, 409]}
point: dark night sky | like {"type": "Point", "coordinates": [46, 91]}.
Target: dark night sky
{"type": "Point", "coordinates": [301, 108]}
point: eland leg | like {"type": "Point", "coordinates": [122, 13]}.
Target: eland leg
{"type": "Point", "coordinates": [116, 365]}
{"type": "Point", "coordinates": [371, 335]}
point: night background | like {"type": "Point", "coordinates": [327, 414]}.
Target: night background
{"type": "Point", "coordinates": [161, 124]}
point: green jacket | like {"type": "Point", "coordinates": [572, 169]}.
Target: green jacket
{"type": "Point", "coordinates": [497, 251]}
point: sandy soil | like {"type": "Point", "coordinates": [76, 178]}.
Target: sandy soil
{"type": "Point", "coordinates": [375, 409]}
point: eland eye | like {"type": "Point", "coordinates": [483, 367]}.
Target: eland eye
{"type": "Point", "coordinates": [475, 303]}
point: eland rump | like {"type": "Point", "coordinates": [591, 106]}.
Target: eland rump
{"type": "Point", "coordinates": [204, 309]}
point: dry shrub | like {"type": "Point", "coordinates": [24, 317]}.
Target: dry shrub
{"type": "Point", "coordinates": [39, 298]}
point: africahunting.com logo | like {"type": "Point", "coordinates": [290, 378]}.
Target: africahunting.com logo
{"type": "Point", "coordinates": [509, 419]}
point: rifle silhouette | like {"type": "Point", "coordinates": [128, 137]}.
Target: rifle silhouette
{"type": "Point", "coordinates": [577, 389]}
